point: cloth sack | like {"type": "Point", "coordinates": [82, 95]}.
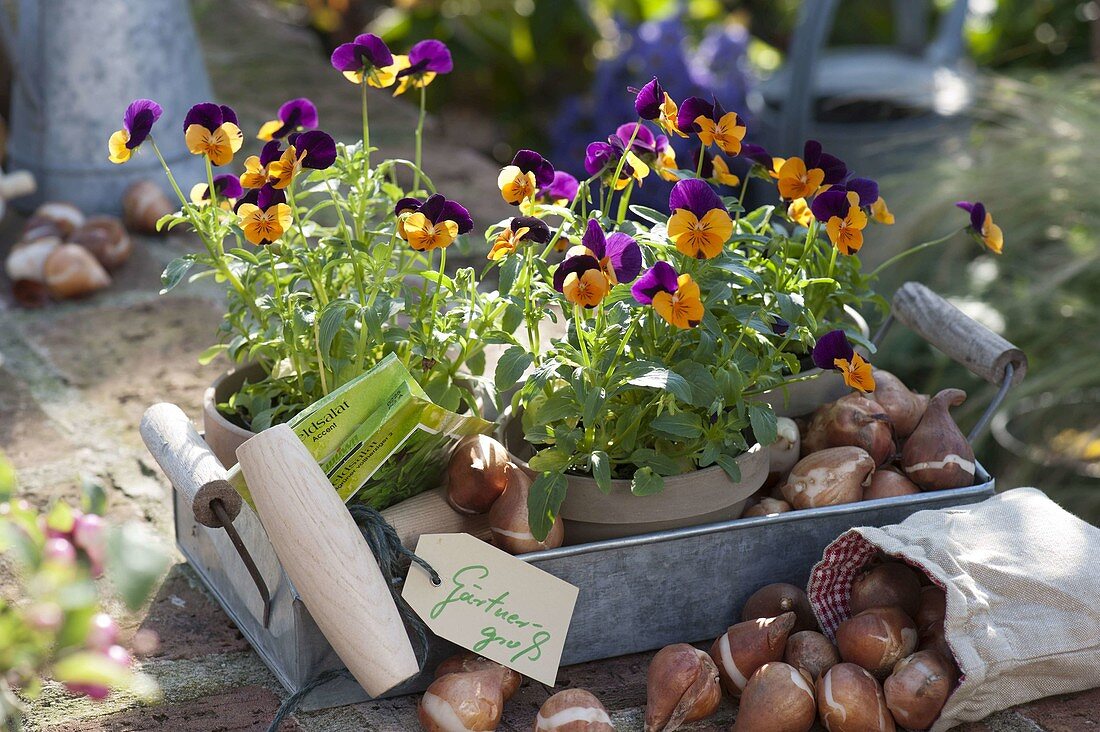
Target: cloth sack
{"type": "Point", "coordinates": [1023, 595]}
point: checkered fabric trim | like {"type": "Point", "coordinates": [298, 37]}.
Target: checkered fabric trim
{"type": "Point", "coordinates": [831, 579]}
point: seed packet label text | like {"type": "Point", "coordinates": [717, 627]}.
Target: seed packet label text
{"type": "Point", "coordinates": [493, 604]}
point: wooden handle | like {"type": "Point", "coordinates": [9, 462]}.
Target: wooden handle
{"type": "Point", "coordinates": [947, 328]}
{"type": "Point", "coordinates": [188, 462]}
{"type": "Point", "coordinates": [14, 185]}
{"type": "Point", "coordinates": [327, 559]}
{"type": "Point", "coordinates": [429, 513]}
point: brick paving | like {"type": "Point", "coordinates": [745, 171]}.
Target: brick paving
{"type": "Point", "coordinates": [74, 379]}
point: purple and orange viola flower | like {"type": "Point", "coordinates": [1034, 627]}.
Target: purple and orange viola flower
{"type": "Point", "coordinates": [524, 176]}
{"type": "Point", "coordinates": [676, 298]}
{"type": "Point", "coordinates": [880, 212]}
{"type": "Point", "coordinates": [648, 100]}
{"type": "Point", "coordinates": [314, 149]}
{"type": "Point", "coordinates": [699, 225]}
{"type": "Point", "coordinates": [296, 115]}
{"type": "Point", "coordinates": [712, 124]}
{"type": "Point", "coordinates": [137, 123]}
{"type": "Point", "coordinates": [596, 265]}
{"type": "Point", "coordinates": [227, 188]}
{"type": "Point", "coordinates": [561, 191]}
{"type": "Point", "coordinates": [424, 61]}
{"type": "Point", "coordinates": [803, 177]}
{"type": "Point", "coordinates": [265, 216]}
{"type": "Point", "coordinates": [521, 230]}
{"type": "Point", "coordinates": [257, 167]}
{"type": "Point", "coordinates": [844, 218]}
{"type": "Point", "coordinates": [432, 224]}
{"type": "Point", "coordinates": [833, 352]}
{"type": "Point", "coordinates": [367, 59]}
{"type": "Point", "coordinates": [602, 158]}
{"type": "Point", "coordinates": [714, 168]}
{"type": "Point", "coordinates": [211, 129]}
{"type": "Point", "coordinates": [982, 228]}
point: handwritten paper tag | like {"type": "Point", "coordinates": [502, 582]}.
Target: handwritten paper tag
{"type": "Point", "coordinates": [492, 603]}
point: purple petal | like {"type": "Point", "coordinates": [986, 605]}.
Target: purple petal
{"type": "Point", "coordinates": [319, 149]}
{"type": "Point", "coordinates": [564, 187]}
{"type": "Point", "coordinates": [433, 208]}
{"type": "Point", "coordinates": [690, 110]}
{"type": "Point", "coordinates": [207, 114]}
{"type": "Point", "coordinates": [270, 152]}
{"type": "Point", "coordinates": [373, 51]}
{"type": "Point", "coordinates": [530, 161]}
{"type": "Point", "coordinates": [579, 263]}
{"type": "Point", "coordinates": [644, 141]}
{"type": "Point", "coordinates": [597, 156]}
{"type": "Point", "coordinates": [268, 196]}
{"type": "Point", "coordinates": [835, 169]}
{"type": "Point", "coordinates": [407, 204]}
{"type": "Point", "coordinates": [831, 346]}
{"type": "Point", "coordinates": [251, 196]}
{"type": "Point", "coordinates": [625, 256]}
{"type": "Point", "coordinates": [228, 115]}
{"type": "Point", "coordinates": [346, 58]}
{"type": "Point", "coordinates": [757, 154]}
{"type": "Point", "coordinates": [866, 188]}
{"type": "Point", "coordinates": [661, 277]}
{"type": "Point", "coordinates": [139, 119]}
{"type": "Point", "coordinates": [228, 185]}
{"type": "Point", "coordinates": [695, 195]}
{"type": "Point", "coordinates": [780, 326]}
{"type": "Point", "coordinates": [594, 239]}
{"type": "Point", "coordinates": [537, 230]}
{"type": "Point", "coordinates": [811, 153]}
{"type": "Point", "coordinates": [833, 202]}
{"type": "Point", "coordinates": [297, 113]}
{"type": "Point", "coordinates": [456, 212]}
{"type": "Point", "coordinates": [648, 101]}
{"type": "Point", "coordinates": [976, 211]}
{"type": "Point", "coordinates": [435, 53]}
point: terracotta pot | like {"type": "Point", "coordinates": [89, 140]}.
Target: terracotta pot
{"type": "Point", "coordinates": [820, 387]}
{"type": "Point", "coordinates": [690, 499]}
{"type": "Point", "coordinates": [223, 436]}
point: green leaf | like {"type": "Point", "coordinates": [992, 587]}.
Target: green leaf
{"type": "Point", "coordinates": [513, 362]}
{"type": "Point", "coordinates": [211, 353]}
{"type": "Point", "coordinates": [733, 470]}
{"type": "Point", "coordinates": [649, 214]}
{"type": "Point", "coordinates": [544, 499]}
{"type": "Point", "coordinates": [508, 271]}
{"type": "Point", "coordinates": [684, 424]}
{"type": "Point", "coordinates": [763, 422]}
{"type": "Point", "coordinates": [93, 497]}
{"type": "Point", "coordinates": [656, 377]}
{"type": "Point", "coordinates": [174, 273]}
{"type": "Point", "coordinates": [600, 464]}
{"type": "Point", "coordinates": [135, 562]}
{"type": "Point", "coordinates": [332, 322]}
{"type": "Point", "coordinates": [550, 459]}
{"type": "Point", "coordinates": [7, 479]}
{"type": "Point", "coordinates": [646, 482]}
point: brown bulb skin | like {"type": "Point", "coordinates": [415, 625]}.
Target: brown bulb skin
{"type": "Point", "coordinates": [766, 507]}
{"type": "Point", "coordinates": [811, 652]}
{"type": "Point", "coordinates": [778, 698]}
{"type": "Point", "coordinates": [144, 204]}
{"type": "Point", "coordinates": [469, 701]}
{"type": "Point", "coordinates": [775, 599]}
{"type": "Point", "coordinates": [785, 451]}
{"type": "Point", "coordinates": [932, 608]}
{"type": "Point", "coordinates": [477, 474]}
{"type": "Point", "coordinates": [850, 700]}
{"type": "Point", "coordinates": [468, 661]}
{"type": "Point", "coordinates": [681, 686]}
{"type": "Point", "coordinates": [71, 271]}
{"type": "Point", "coordinates": [889, 484]}
{"type": "Point", "coordinates": [883, 585]}
{"type": "Point", "coordinates": [64, 217]}
{"type": "Point", "coordinates": [508, 519]}
{"type": "Point", "coordinates": [853, 420]}
{"type": "Point", "coordinates": [829, 477]}
{"type": "Point", "coordinates": [876, 639]}
{"type": "Point", "coordinates": [918, 688]}
{"type": "Point", "coordinates": [573, 710]}
{"type": "Point", "coordinates": [747, 646]}
{"type": "Point", "coordinates": [937, 455]}
{"type": "Point", "coordinates": [903, 407]}
{"type": "Point", "coordinates": [106, 238]}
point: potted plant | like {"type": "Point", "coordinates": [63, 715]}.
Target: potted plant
{"type": "Point", "coordinates": [331, 260]}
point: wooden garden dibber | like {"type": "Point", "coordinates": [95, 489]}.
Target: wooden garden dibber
{"type": "Point", "coordinates": [327, 559]}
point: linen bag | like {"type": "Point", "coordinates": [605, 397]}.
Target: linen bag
{"type": "Point", "coordinates": [1023, 595]}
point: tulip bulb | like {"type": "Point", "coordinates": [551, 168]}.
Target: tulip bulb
{"type": "Point", "coordinates": [767, 507]}
{"type": "Point", "coordinates": [107, 240]}
{"type": "Point", "coordinates": [143, 205]}
{"type": "Point", "coordinates": [850, 700]}
{"type": "Point", "coordinates": [477, 474]}
{"type": "Point", "coordinates": [27, 259]}
{"type": "Point", "coordinates": [829, 477]}
{"type": "Point", "coordinates": [747, 646]}
{"type": "Point", "coordinates": [465, 701]}
{"type": "Point", "coordinates": [509, 521]}
{"type": "Point", "coordinates": [937, 455]}
{"type": "Point", "coordinates": [932, 608]}
{"type": "Point", "coordinates": [71, 271]}
{"type": "Point", "coordinates": [681, 686]}
{"type": "Point", "coordinates": [883, 585]}
{"type": "Point", "coordinates": [904, 407]}
{"type": "Point", "coordinates": [888, 484]}
{"type": "Point", "coordinates": [784, 452]}
{"type": "Point", "coordinates": [876, 639]}
{"type": "Point", "coordinates": [778, 698]}
{"type": "Point", "coordinates": [852, 420]}
{"type": "Point", "coordinates": [775, 599]}
{"type": "Point", "coordinates": [573, 710]}
{"type": "Point", "coordinates": [811, 652]}
{"type": "Point", "coordinates": [468, 661]}
{"type": "Point", "coordinates": [918, 688]}
{"type": "Point", "coordinates": [65, 217]}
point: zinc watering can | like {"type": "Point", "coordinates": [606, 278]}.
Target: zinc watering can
{"type": "Point", "coordinates": [77, 64]}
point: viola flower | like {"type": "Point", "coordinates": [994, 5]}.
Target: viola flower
{"type": "Point", "coordinates": [713, 125]}
{"type": "Point", "coordinates": [721, 172]}
{"type": "Point", "coordinates": [665, 160]}
{"type": "Point", "coordinates": [833, 351]}
{"type": "Point", "coordinates": [265, 220]}
{"type": "Point", "coordinates": [420, 66]}
{"type": "Point", "coordinates": [581, 281]}
{"type": "Point", "coordinates": [798, 181]}
{"type": "Point", "coordinates": [211, 130]}
{"type": "Point", "coordinates": [616, 255]}
{"type": "Point", "coordinates": [227, 187]}
{"type": "Point", "coordinates": [669, 117]}
{"type": "Point", "coordinates": [799, 212]}
{"type": "Point", "coordinates": [528, 172]}
{"type": "Point", "coordinates": [434, 224]}
{"type": "Point", "coordinates": [137, 123]}
{"type": "Point", "coordinates": [834, 168]}
{"type": "Point", "coordinates": [294, 116]}
{"type": "Point", "coordinates": [521, 229]}
{"type": "Point", "coordinates": [561, 191]}
{"type": "Point", "coordinates": [257, 167]}
{"type": "Point", "coordinates": [604, 157]}
{"type": "Point", "coordinates": [368, 59]}
{"type": "Point", "coordinates": [675, 298]}
{"type": "Point", "coordinates": [699, 225]}
{"type": "Point", "coordinates": [982, 228]}
{"type": "Point", "coordinates": [639, 139]}
{"type": "Point", "coordinates": [844, 220]}
{"type": "Point", "coordinates": [314, 149]}
{"type": "Point", "coordinates": [758, 155]}
{"type": "Point", "coordinates": [649, 99]}
{"type": "Point", "coordinates": [880, 212]}
{"type": "Point", "coordinates": [865, 188]}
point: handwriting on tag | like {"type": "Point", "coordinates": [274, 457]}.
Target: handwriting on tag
{"type": "Point", "coordinates": [492, 603]}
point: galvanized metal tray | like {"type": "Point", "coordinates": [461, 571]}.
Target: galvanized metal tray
{"type": "Point", "coordinates": [636, 594]}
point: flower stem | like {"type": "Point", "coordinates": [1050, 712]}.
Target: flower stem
{"type": "Point", "coordinates": [702, 157]}
{"type": "Point", "coordinates": [898, 257]}
{"type": "Point", "coordinates": [210, 194]}
{"type": "Point", "coordinates": [420, 136]}
{"type": "Point", "coordinates": [168, 171]}
{"type": "Point", "coordinates": [619, 168]}
{"type": "Point", "coordinates": [578, 321]}
{"type": "Point", "coordinates": [366, 130]}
